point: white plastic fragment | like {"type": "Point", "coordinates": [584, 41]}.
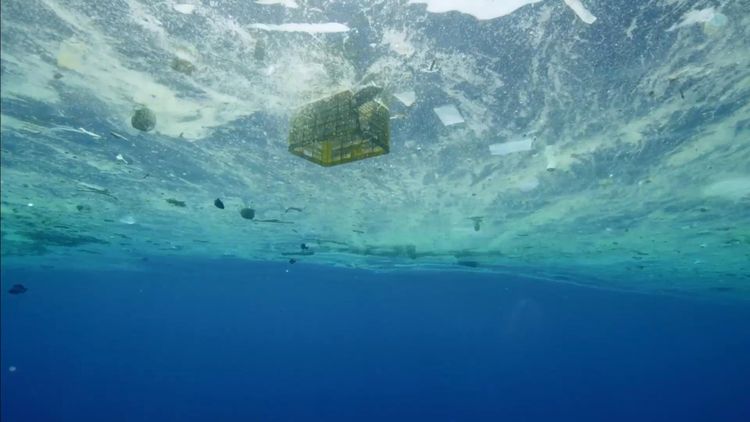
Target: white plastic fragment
{"type": "Point", "coordinates": [480, 9]}
{"type": "Point", "coordinates": [184, 8]}
{"type": "Point", "coordinates": [128, 219]}
{"type": "Point", "coordinates": [506, 148]}
{"type": "Point", "coordinates": [448, 114]}
{"type": "Point", "coordinates": [286, 3]}
{"type": "Point", "coordinates": [12, 368]}
{"type": "Point", "coordinates": [550, 153]}
{"type": "Point", "coordinates": [581, 11]}
{"type": "Point", "coordinates": [91, 134]}
{"type": "Point", "coordinates": [311, 28]}
{"type": "Point", "coordinates": [407, 97]}
{"type": "Point", "coordinates": [121, 158]}
{"type": "Point", "coordinates": [118, 136]}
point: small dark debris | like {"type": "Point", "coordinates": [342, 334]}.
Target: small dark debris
{"type": "Point", "coordinates": [175, 202]}
{"type": "Point", "coordinates": [57, 75]}
{"type": "Point", "coordinates": [182, 66]}
{"type": "Point", "coordinates": [292, 209]}
{"type": "Point", "coordinates": [304, 247]}
{"type": "Point", "coordinates": [17, 289]}
{"type": "Point", "coordinates": [471, 264]}
{"type": "Point", "coordinates": [218, 204]}
{"type": "Point", "coordinates": [477, 222]}
{"type": "Point", "coordinates": [247, 213]}
{"type": "Point", "coordinates": [143, 119]}
{"type": "Point", "coordinates": [82, 208]}
{"type": "Point", "coordinates": [358, 231]}
{"type": "Point", "coordinates": [292, 260]}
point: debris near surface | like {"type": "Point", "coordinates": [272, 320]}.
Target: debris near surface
{"type": "Point", "coordinates": [470, 264]}
{"type": "Point", "coordinates": [292, 260]}
{"type": "Point", "coordinates": [143, 119]}
{"type": "Point", "coordinates": [88, 187]}
{"type": "Point", "coordinates": [118, 136]}
{"type": "Point", "coordinates": [259, 52]}
{"type": "Point", "coordinates": [448, 115]}
{"type": "Point", "coordinates": [176, 203]}
{"type": "Point", "coordinates": [477, 222]}
{"type": "Point", "coordinates": [218, 204]}
{"type": "Point", "coordinates": [292, 209]}
{"type": "Point", "coordinates": [182, 66]}
{"type": "Point", "coordinates": [506, 148]}
{"type": "Point", "coordinates": [17, 289]}
{"type": "Point", "coordinates": [247, 213]}
{"type": "Point", "coordinates": [345, 127]}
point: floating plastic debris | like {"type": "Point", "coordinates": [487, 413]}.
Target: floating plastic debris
{"type": "Point", "coordinates": [480, 9]}
{"type": "Point", "coordinates": [550, 153]}
{"type": "Point", "coordinates": [118, 136]}
{"type": "Point", "coordinates": [91, 134]}
{"type": "Point", "coordinates": [311, 28]}
{"type": "Point", "coordinates": [143, 119]}
{"type": "Point", "coordinates": [184, 8]}
{"type": "Point", "coordinates": [176, 203]}
{"type": "Point", "coordinates": [581, 11]}
{"type": "Point", "coordinates": [119, 157]}
{"type": "Point", "coordinates": [128, 219]}
{"type": "Point", "coordinates": [182, 66]}
{"type": "Point", "coordinates": [286, 3]}
{"type": "Point", "coordinates": [448, 114]}
{"type": "Point", "coordinates": [71, 54]}
{"type": "Point", "coordinates": [17, 289]}
{"type": "Point", "coordinates": [247, 213]}
{"type": "Point", "coordinates": [506, 148]}
{"type": "Point", "coordinates": [407, 98]}
{"type": "Point", "coordinates": [218, 204]}
{"type": "Point", "coordinates": [12, 368]}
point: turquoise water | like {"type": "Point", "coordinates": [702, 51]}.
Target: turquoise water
{"type": "Point", "coordinates": [559, 229]}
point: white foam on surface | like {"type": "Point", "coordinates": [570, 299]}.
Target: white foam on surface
{"type": "Point", "coordinates": [581, 11]}
{"type": "Point", "coordinates": [480, 9]}
{"type": "Point", "coordinates": [407, 98]}
{"type": "Point", "coordinates": [506, 148]}
{"type": "Point", "coordinates": [449, 115]}
{"type": "Point", "coordinates": [311, 28]}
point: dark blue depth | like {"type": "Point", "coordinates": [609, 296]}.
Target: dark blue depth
{"type": "Point", "coordinates": [225, 341]}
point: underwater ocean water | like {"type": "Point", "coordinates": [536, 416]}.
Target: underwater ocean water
{"type": "Point", "coordinates": [418, 210]}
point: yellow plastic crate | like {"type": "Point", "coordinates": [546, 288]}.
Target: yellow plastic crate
{"type": "Point", "coordinates": [340, 129]}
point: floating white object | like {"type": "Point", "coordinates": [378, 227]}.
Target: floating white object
{"type": "Point", "coordinates": [506, 148]}
{"type": "Point", "coordinates": [581, 11]}
{"type": "Point", "coordinates": [550, 153]}
{"type": "Point", "coordinates": [184, 8]}
{"type": "Point", "coordinates": [286, 3]}
{"type": "Point", "coordinates": [480, 9]}
{"type": "Point", "coordinates": [311, 28]}
{"type": "Point", "coordinates": [121, 158]}
{"type": "Point", "coordinates": [91, 134]}
{"type": "Point", "coordinates": [128, 219]}
{"type": "Point", "coordinates": [706, 15]}
{"type": "Point", "coordinates": [448, 114]}
{"type": "Point", "coordinates": [12, 368]}
{"type": "Point", "coordinates": [407, 97]}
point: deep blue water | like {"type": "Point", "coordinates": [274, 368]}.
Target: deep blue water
{"type": "Point", "coordinates": [226, 341]}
